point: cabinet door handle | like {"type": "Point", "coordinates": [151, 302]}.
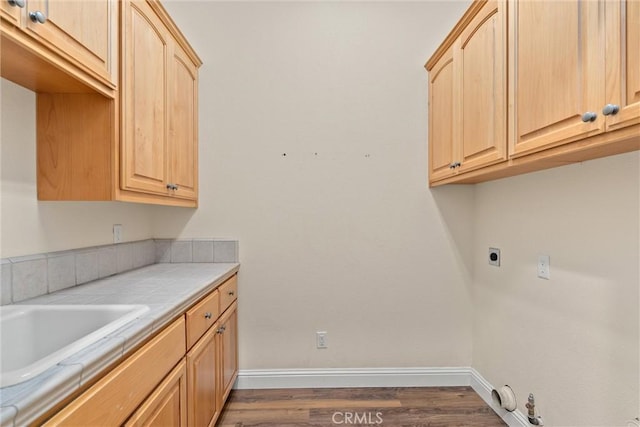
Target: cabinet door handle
{"type": "Point", "coordinates": [172, 187]}
{"type": "Point", "coordinates": [38, 17]}
{"type": "Point", "coordinates": [231, 293]}
{"type": "Point", "coordinates": [589, 116]}
{"type": "Point", "coordinates": [207, 315]}
{"type": "Point", "coordinates": [16, 3]}
{"type": "Point", "coordinates": [610, 109]}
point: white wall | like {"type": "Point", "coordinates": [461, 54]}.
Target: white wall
{"type": "Point", "coordinates": [349, 240]}
{"type": "Point", "coordinates": [28, 226]}
{"type": "Point", "coordinates": [571, 340]}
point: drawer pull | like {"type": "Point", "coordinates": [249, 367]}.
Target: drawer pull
{"type": "Point", "coordinates": [38, 17]}
{"type": "Point", "coordinates": [231, 293]}
{"type": "Point", "coordinates": [589, 116]}
{"type": "Point", "coordinates": [16, 3]}
{"type": "Point", "coordinates": [610, 110]}
{"type": "Point", "coordinates": [221, 329]}
{"type": "Point", "coordinates": [207, 315]}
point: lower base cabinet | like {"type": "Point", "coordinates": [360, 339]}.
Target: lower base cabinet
{"type": "Point", "coordinates": [228, 337]}
{"type": "Point", "coordinates": [167, 404]}
{"type": "Point", "coordinates": [165, 383]}
{"type": "Point", "coordinates": [202, 362]}
{"type": "Point", "coordinates": [212, 362]}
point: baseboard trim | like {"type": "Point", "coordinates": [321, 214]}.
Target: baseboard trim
{"type": "Point", "coordinates": [483, 388]}
{"type": "Point", "coordinates": [377, 377]}
{"type": "Point", "coordinates": [356, 377]}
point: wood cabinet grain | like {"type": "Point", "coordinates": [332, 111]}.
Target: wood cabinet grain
{"type": "Point", "coordinates": [573, 94]}
{"type": "Point", "coordinates": [141, 145]}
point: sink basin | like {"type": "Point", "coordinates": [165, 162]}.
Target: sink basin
{"type": "Point", "coordinates": [34, 338]}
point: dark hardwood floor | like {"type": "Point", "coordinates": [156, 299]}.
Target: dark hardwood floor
{"type": "Point", "coordinates": [387, 407]}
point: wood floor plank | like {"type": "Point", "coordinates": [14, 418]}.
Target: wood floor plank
{"type": "Point", "coordinates": [320, 403]}
{"type": "Point", "coordinates": [387, 407]}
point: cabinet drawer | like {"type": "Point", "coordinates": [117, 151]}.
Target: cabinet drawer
{"type": "Point", "coordinates": [167, 405]}
{"type": "Point", "coordinates": [228, 293]}
{"type": "Point", "coordinates": [201, 317]}
{"type": "Point", "coordinates": [116, 396]}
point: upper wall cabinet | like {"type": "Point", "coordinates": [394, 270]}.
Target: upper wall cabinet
{"type": "Point", "coordinates": [467, 95]}
{"type": "Point", "coordinates": [558, 81]}
{"type": "Point", "coordinates": [574, 87]}
{"type": "Point", "coordinates": [144, 99]}
{"type": "Point", "coordinates": [12, 11]}
{"type": "Point", "coordinates": [159, 104]}
{"type": "Point", "coordinates": [481, 71]}
{"type": "Point", "coordinates": [441, 148]}
{"type": "Point", "coordinates": [623, 64]}
{"type": "Point", "coordinates": [141, 146]}
{"type": "Point", "coordinates": [60, 45]}
{"type": "Point", "coordinates": [183, 123]}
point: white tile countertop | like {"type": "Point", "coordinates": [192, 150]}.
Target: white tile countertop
{"type": "Point", "coordinates": [168, 290]}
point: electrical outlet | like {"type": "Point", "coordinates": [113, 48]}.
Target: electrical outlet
{"type": "Point", "coordinates": [494, 257]}
{"type": "Point", "coordinates": [544, 267]}
{"type": "Point", "coordinates": [321, 339]}
{"type": "Point", "coordinates": [117, 233]}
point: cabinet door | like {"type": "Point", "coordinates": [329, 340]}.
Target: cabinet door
{"type": "Point", "coordinates": [84, 30]}
{"type": "Point", "coordinates": [167, 405]}
{"type": "Point", "coordinates": [229, 350]}
{"type": "Point", "coordinates": [481, 77]}
{"type": "Point", "coordinates": [202, 388]}
{"type": "Point", "coordinates": [11, 12]}
{"type": "Point", "coordinates": [623, 62]}
{"type": "Point", "coordinates": [556, 73]}
{"type": "Point", "coordinates": [144, 100]}
{"type": "Point", "coordinates": [115, 397]}
{"type": "Point", "coordinates": [441, 102]}
{"type": "Point", "coordinates": [183, 124]}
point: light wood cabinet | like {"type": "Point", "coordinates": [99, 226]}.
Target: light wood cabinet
{"type": "Point", "coordinates": [623, 63]}
{"type": "Point", "coordinates": [86, 31]}
{"type": "Point", "coordinates": [61, 45]}
{"type": "Point", "coordinates": [144, 99]}
{"type": "Point", "coordinates": [202, 362]}
{"type": "Point", "coordinates": [480, 117]}
{"type": "Point", "coordinates": [159, 104]}
{"type": "Point", "coordinates": [141, 146]}
{"type": "Point", "coordinates": [172, 380]}
{"type": "Point", "coordinates": [212, 362]}
{"type": "Point", "coordinates": [167, 405]}
{"type": "Point", "coordinates": [467, 95]}
{"type": "Point", "coordinates": [555, 79]}
{"type": "Point", "coordinates": [183, 123]}
{"type": "Point", "coordinates": [202, 316]}
{"type": "Point", "coordinates": [228, 338]}
{"type": "Point", "coordinates": [12, 11]}
{"type": "Point", "coordinates": [441, 102]}
{"type": "Point", "coordinates": [116, 396]}
{"type": "Point", "coordinates": [573, 73]}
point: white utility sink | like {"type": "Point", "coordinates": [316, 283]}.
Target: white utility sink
{"type": "Point", "coordinates": [34, 338]}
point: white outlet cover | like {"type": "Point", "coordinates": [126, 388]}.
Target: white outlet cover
{"type": "Point", "coordinates": [117, 233]}
{"type": "Point", "coordinates": [544, 267]}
